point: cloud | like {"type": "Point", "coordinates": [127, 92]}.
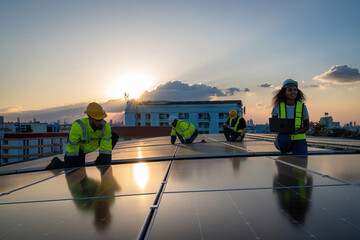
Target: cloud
{"type": "Point", "coordinates": [170, 91]}
{"type": "Point", "coordinates": [261, 105]}
{"type": "Point", "coordinates": [340, 74]}
{"type": "Point", "coordinates": [178, 91]}
{"type": "Point", "coordinates": [232, 91]}
{"type": "Point", "coordinates": [312, 86]}
{"type": "Point", "coordinates": [67, 113]}
{"type": "Point", "coordinates": [319, 86]}
{"type": "Point", "coordinates": [265, 85]}
{"type": "Point", "coordinates": [10, 110]}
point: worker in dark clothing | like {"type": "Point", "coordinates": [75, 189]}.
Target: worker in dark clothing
{"type": "Point", "coordinates": [234, 127]}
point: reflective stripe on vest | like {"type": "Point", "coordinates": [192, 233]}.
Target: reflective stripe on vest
{"type": "Point", "coordinates": [105, 152]}
{"type": "Point", "coordinates": [187, 129]}
{"type": "Point", "coordinates": [82, 125]}
{"type": "Point", "coordinates": [103, 130]}
{"type": "Point", "coordinates": [73, 143]}
{"type": "Point", "coordinates": [298, 118]}
{"type": "Point", "coordinates": [236, 125]}
{"type": "Point", "coordinates": [72, 154]}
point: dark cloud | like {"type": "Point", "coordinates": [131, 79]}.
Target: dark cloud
{"type": "Point", "coordinates": [340, 74]}
{"type": "Point", "coordinates": [231, 91]}
{"type": "Point", "coordinates": [265, 85]}
{"type": "Point", "coordinates": [170, 91]}
{"type": "Point", "coordinates": [69, 113]}
{"type": "Point", "coordinates": [178, 91]}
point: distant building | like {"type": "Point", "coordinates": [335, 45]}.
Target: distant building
{"type": "Point", "coordinates": [249, 123]}
{"type": "Point", "coordinates": [29, 127]}
{"type": "Point", "coordinates": [1, 120]}
{"type": "Point", "coordinates": [16, 147]}
{"type": "Point", "coordinates": [207, 116]}
{"type": "Point", "coordinates": [262, 128]}
{"type": "Point", "coordinates": [328, 121]}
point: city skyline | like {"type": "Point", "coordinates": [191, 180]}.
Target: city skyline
{"type": "Point", "coordinates": [63, 55]}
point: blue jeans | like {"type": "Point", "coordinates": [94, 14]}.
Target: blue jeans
{"type": "Point", "coordinates": [284, 144]}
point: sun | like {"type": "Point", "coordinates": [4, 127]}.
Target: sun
{"type": "Point", "coordinates": [133, 84]}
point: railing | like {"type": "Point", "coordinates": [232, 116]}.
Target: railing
{"type": "Point", "coordinates": [20, 147]}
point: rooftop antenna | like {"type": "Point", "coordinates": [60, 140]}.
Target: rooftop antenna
{"type": "Point", "coordinates": [126, 96]}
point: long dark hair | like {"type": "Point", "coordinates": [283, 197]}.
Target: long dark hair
{"type": "Point", "coordinates": [280, 96]}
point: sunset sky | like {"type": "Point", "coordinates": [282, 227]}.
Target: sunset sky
{"type": "Point", "coordinates": [59, 53]}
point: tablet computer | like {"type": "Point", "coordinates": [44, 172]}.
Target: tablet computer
{"type": "Point", "coordinates": [282, 125]}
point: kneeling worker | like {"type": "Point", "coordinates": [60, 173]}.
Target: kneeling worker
{"type": "Point", "coordinates": [234, 127]}
{"type": "Point", "coordinates": [87, 135]}
{"type": "Point", "coordinates": [185, 131]}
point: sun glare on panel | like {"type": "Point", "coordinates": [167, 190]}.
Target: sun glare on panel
{"type": "Point", "coordinates": [134, 84]}
{"type": "Point", "coordinates": [141, 174]}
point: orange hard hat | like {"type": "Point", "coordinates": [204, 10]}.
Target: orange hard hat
{"type": "Point", "coordinates": [94, 110]}
{"type": "Point", "coordinates": [233, 114]}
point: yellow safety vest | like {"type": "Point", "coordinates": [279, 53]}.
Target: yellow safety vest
{"type": "Point", "coordinates": [83, 136]}
{"type": "Point", "coordinates": [236, 125]}
{"type": "Point", "coordinates": [298, 119]}
{"type": "Point", "coordinates": [184, 129]}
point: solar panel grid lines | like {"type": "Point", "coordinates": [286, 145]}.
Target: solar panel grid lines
{"type": "Point", "coordinates": [31, 184]}
{"type": "Point", "coordinates": [146, 228]}
{"type": "Point", "coordinates": [308, 170]}
{"type": "Point", "coordinates": [289, 216]}
{"type": "Point", "coordinates": [194, 193]}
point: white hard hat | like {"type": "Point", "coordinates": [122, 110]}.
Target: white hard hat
{"type": "Point", "coordinates": [289, 82]}
{"type": "Point", "coordinates": [172, 118]}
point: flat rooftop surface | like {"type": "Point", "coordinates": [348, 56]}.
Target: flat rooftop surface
{"type": "Point", "coordinates": [212, 190]}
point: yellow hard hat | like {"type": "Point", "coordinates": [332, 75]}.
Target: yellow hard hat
{"type": "Point", "coordinates": [233, 114]}
{"type": "Point", "coordinates": [94, 110]}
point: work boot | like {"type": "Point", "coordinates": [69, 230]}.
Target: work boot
{"type": "Point", "coordinates": [56, 163]}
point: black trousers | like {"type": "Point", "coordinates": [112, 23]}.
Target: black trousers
{"type": "Point", "coordinates": [79, 161]}
{"type": "Point", "coordinates": [231, 135]}
{"type": "Point", "coordinates": [190, 140]}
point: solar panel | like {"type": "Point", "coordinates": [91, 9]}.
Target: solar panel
{"type": "Point", "coordinates": [206, 190]}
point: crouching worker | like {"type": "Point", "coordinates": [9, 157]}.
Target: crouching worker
{"type": "Point", "coordinates": [289, 103]}
{"type": "Point", "coordinates": [185, 131]}
{"type": "Point", "coordinates": [235, 127]}
{"type": "Point", "coordinates": [87, 135]}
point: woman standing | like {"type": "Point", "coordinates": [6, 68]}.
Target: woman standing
{"type": "Point", "coordinates": [289, 103]}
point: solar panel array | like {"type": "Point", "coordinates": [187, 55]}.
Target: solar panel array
{"type": "Point", "coordinates": [212, 190]}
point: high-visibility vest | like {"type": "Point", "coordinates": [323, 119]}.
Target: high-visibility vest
{"type": "Point", "coordinates": [298, 118]}
{"type": "Point", "coordinates": [236, 125]}
{"type": "Point", "coordinates": [83, 136]}
{"type": "Point", "coordinates": [184, 129]}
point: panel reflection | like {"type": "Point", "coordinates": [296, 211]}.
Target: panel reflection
{"type": "Point", "coordinates": [82, 188]}
{"type": "Point", "coordinates": [140, 153]}
{"type": "Point", "coordinates": [295, 201]}
{"type": "Point", "coordinates": [141, 174]}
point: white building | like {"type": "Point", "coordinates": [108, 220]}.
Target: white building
{"type": "Point", "coordinates": [207, 116]}
{"type": "Point", "coordinates": [329, 122]}
{"type": "Point", "coordinates": [21, 147]}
